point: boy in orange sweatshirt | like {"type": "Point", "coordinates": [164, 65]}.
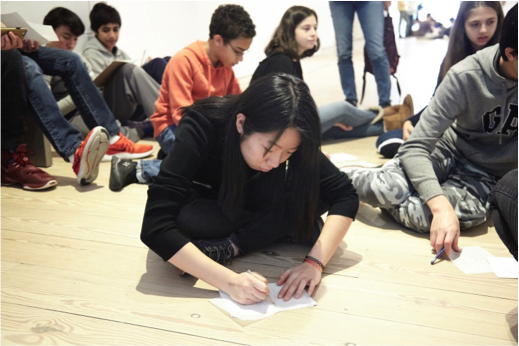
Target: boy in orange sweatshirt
{"type": "Point", "coordinates": [198, 71]}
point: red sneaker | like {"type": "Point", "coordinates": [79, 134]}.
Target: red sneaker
{"type": "Point", "coordinates": [126, 149]}
{"type": "Point", "coordinates": [89, 155]}
{"type": "Point", "coordinates": [18, 169]}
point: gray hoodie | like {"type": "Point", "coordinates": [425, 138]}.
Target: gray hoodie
{"type": "Point", "coordinates": [99, 57]}
{"type": "Point", "coordinates": [474, 114]}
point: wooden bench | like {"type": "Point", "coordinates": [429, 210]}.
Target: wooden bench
{"type": "Point", "coordinates": [36, 140]}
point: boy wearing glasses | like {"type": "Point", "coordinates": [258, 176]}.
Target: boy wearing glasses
{"type": "Point", "coordinates": [198, 71]}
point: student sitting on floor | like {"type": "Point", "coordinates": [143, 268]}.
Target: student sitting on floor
{"type": "Point", "coordinates": [247, 170]}
{"type": "Point", "coordinates": [65, 138]}
{"type": "Point", "coordinates": [17, 168]}
{"type": "Point", "coordinates": [477, 26]}
{"type": "Point", "coordinates": [68, 27]}
{"type": "Point", "coordinates": [296, 38]}
{"type": "Point", "coordinates": [465, 142]}
{"type": "Point", "coordinates": [131, 92]}
{"type": "Point", "coordinates": [199, 70]}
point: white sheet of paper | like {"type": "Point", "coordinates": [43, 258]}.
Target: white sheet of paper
{"type": "Point", "coordinates": [342, 157]}
{"type": "Point", "coordinates": [504, 267]}
{"type": "Point", "coordinates": [472, 260]}
{"type": "Point", "coordinates": [33, 30]}
{"type": "Point", "coordinates": [264, 308]}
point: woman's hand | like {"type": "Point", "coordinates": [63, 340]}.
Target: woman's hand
{"type": "Point", "coordinates": [248, 288]}
{"type": "Point", "coordinates": [407, 129]}
{"type": "Point", "coordinates": [294, 281]}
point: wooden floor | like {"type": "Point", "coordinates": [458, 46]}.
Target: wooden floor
{"type": "Point", "coordinates": [75, 272]}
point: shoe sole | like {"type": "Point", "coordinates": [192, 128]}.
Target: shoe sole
{"type": "Point", "coordinates": [93, 152]}
{"type": "Point", "coordinates": [47, 185]}
{"type": "Point", "coordinates": [131, 156]}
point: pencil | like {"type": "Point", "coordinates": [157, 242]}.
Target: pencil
{"type": "Point", "coordinates": [268, 295]}
{"type": "Point", "coordinates": [438, 255]}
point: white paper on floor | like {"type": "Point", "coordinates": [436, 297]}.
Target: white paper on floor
{"type": "Point", "coordinates": [471, 260]}
{"type": "Point", "coordinates": [504, 267]}
{"type": "Point", "coordinates": [264, 308]}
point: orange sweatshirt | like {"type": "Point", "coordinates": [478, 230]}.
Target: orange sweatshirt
{"type": "Point", "coordinates": [190, 76]}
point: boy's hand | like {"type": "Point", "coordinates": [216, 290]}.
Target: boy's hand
{"type": "Point", "coordinates": [10, 41]}
{"type": "Point", "coordinates": [445, 226]}
{"type": "Point", "coordinates": [30, 47]}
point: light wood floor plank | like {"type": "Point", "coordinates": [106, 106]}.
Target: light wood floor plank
{"type": "Point", "coordinates": [23, 325]}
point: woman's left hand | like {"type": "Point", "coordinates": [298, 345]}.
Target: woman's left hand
{"type": "Point", "coordinates": [294, 281]}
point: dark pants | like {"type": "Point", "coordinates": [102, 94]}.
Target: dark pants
{"type": "Point", "coordinates": [503, 204]}
{"type": "Point", "coordinates": [203, 219]}
{"type": "Point", "coordinates": [156, 68]}
{"type": "Point", "coordinates": [14, 99]}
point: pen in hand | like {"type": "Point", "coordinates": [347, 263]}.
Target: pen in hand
{"type": "Point", "coordinates": [438, 255]}
{"type": "Point", "coordinates": [268, 295]}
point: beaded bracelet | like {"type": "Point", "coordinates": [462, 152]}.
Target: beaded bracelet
{"type": "Point", "coordinates": [314, 260]}
{"type": "Point", "coordinates": [313, 263]}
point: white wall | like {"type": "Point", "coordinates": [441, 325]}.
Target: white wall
{"type": "Point", "coordinates": [161, 28]}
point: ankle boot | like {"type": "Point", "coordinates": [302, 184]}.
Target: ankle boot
{"type": "Point", "coordinates": [395, 116]}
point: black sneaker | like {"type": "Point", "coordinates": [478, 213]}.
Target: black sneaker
{"type": "Point", "coordinates": [122, 173]}
{"type": "Point", "coordinates": [219, 250]}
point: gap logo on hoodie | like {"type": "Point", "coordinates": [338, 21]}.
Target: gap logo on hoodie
{"type": "Point", "coordinates": [492, 121]}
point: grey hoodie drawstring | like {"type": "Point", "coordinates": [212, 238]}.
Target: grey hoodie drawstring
{"type": "Point", "coordinates": [503, 111]}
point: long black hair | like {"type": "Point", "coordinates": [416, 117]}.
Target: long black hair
{"type": "Point", "coordinates": [271, 104]}
{"type": "Point", "coordinates": [284, 37]}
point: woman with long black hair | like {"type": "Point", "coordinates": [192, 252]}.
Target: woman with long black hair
{"type": "Point", "coordinates": [247, 170]}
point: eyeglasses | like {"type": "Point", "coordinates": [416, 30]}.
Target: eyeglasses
{"type": "Point", "coordinates": [237, 52]}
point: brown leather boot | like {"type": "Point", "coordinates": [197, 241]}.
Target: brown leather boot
{"type": "Point", "coordinates": [395, 116]}
{"type": "Point", "coordinates": [408, 101]}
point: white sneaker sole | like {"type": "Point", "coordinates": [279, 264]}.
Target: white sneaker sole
{"type": "Point", "coordinates": [93, 152]}
{"type": "Point", "coordinates": [107, 157]}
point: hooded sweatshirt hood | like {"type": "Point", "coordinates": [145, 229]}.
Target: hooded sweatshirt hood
{"type": "Point", "coordinates": [99, 57]}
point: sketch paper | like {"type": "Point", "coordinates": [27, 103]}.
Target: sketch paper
{"type": "Point", "coordinates": [504, 267]}
{"type": "Point", "coordinates": [264, 308]}
{"type": "Point", "coordinates": [471, 260]}
{"type": "Point", "coordinates": [35, 32]}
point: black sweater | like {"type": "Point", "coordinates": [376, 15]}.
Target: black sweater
{"type": "Point", "coordinates": [196, 157]}
{"type": "Point", "coordinates": [278, 62]}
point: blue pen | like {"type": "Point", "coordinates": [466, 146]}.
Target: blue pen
{"type": "Point", "coordinates": [438, 255]}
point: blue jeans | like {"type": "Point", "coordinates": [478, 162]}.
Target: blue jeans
{"type": "Point", "coordinates": [343, 112]}
{"type": "Point", "coordinates": [366, 130]}
{"type": "Point", "coordinates": [64, 137]}
{"type": "Point", "coordinates": [147, 169]}
{"type": "Point", "coordinates": [371, 17]}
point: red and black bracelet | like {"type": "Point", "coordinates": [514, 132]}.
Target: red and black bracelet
{"type": "Point", "coordinates": [314, 261]}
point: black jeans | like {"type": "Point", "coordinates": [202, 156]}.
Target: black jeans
{"type": "Point", "coordinates": [14, 99]}
{"type": "Point", "coordinates": [203, 219]}
{"type": "Point", "coordinates": [503, 205]}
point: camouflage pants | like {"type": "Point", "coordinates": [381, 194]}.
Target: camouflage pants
{"type": "Point", "coordinates": [466, 187]}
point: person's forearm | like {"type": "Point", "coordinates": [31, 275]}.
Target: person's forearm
{"type": "Point", "coordinates": [194, 262]}
{"type": "Point", "coordinates": [334, 230]}
{"type": "Point", "coordinates": [439, 204]}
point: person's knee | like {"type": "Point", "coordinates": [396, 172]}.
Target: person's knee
{"type": "Point", "coordinates": [32, 70]}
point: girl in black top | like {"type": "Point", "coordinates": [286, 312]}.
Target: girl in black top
{"type": "Point", "coordinates": [245, 171]}
{"type": "Point", "coordinates": [296, 38]}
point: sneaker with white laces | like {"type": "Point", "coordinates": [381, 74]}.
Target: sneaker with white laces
{"type": "Point", "coordinates": [126, 149]}
{"type": "Point", "coordinates": [89, 155]}
{"type": "Point", "coordinates": [18, 169]}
